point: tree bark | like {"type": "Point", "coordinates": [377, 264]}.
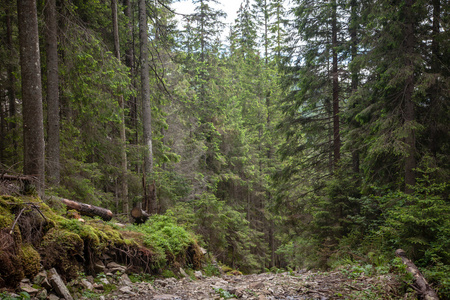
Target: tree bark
{"type": "Point", "coordinates": [123, 141]}
{"type": "Point", "coordinates": [409, 118]}
{"type": "Point", "coordinates": [139, 215]}
{"type": "Point", "coordinates": [145, 88]}
{"type": "Point", "coordinates": [336, 129]}
{"type": "Point", "coordinates": [33, 125]}
{"type": "Point", "coordinates": [11, 78]}
{"type": "Point", "coordinates": [89, 210]}
{"type": "Point", "coordinates": [53, 119]}
{"type": "Point", "coordinates": [420, 282]}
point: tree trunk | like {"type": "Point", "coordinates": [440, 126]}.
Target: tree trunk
{"type": "Point", "coordinates": [139, 215]}
{"type": "Point", "coordinates": [53, 165]}
{"type": "Point", "coordinates": [410, 160]}
{"type": "Point", "coordinates": [33, 127]}
{"type": "Point", "coordinates": [336, 129]}
{"type": "Point", "coordinates": [89, 210]}
{"type": "Point", "coordinates": [145, 88]}
{"type": "Point", "coordinates": [123, 141]}
{"type": "Point", "coordinates": [11, 78]}
{"type": "Point", "coordinates": [420, 282]}
{"type": "Point", "coordinates": [353, 27]}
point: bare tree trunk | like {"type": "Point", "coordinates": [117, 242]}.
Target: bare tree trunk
{"type": "Point", "coordinates": [53, 165]}
{"type": "Point", "coordinates": [33, 127]}
{"type": "Point", "coordinates": [11, 78]}
{"type": "Point", "coordinates": [354, 76]}
{"type": "Point", "coordinates": [410, 160]}
{"type": "Point", "coordinates": [145, 88]}
{"type": "Point", "coordinates": [123, 141]}
{"type": "Point", "coordinates": [421, 284]}
{"type": "Point", "coordinates": [336, 129]}
{"type": "Point", "coordinates": [89, 210]}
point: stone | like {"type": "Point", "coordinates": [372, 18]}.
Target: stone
{"type": "Point", "coordinates": [86, 284]}
{"type": "Point", "coordinates": [26, 281]}
{"type": "Point", "coordinates": [161, 282]}
{"type": "Point", "coordinates": [127, 290]}
{"type": "Point", "coordinates": [183, 272]}
{"type": "Point", "coordinates": [90, 278]}
{"type": "Point", "coordinates": [257, 285]}
{"type": "Point", "coordinates": [104, 280]}
{"type": "Point", "coordinates": [115, 267]}
{"type": "Point", "coordinates": [58, 285]}
{"type": "Point", "coordinates": [40, 277]}
{"type": "Point", "coordinates": [99, 267]}
{"type": "Point", "coordinates": [46, 284]}
{"type": "Point", "coordinates": [53, 297]}
{"type": "Point", "coordinates": [198, 274]}
{"type": "Point", "coordinates": [42, 294]}
{"type": "Point", "coordinates": [125, 280]}
{"type": "Point", "coordinates": [98, 286]}
{"type": "Point", "coordinates": [166, 297]}
{"type": "Point", "coordinates": [29, 289]}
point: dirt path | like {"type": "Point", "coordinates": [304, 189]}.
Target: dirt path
{"type": "Point", "coordinates": [292, 286]}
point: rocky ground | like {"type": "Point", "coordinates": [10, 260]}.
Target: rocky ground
{"type": "Point", "coordinates": [116, 284]}
{"type": "Point", "coordinates": [292, 286]}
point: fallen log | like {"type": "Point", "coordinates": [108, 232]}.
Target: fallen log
{"type": "Point", "coordinates": [420, 283]}
{"type": "Point", "coordinates": [89, 210]}
{"type": "Point", "coordinates": [24, 178]}
{"type": "Point", "coordinates": [139, 215]}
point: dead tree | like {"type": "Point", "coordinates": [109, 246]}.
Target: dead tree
{"type": "Point", "coordinates": [89, 210]}
{"type": "Point", "coordinates": [420, 283]}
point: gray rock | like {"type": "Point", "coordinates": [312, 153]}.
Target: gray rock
{"type": "Point", "coordinates": [26, 281]}
{"type": "Point", "coordinates": [53, 297]}
{"type": "Point", "coordinates": [183, 273]}
{"type": "Point", "coordinates": [104, 280]}
{"type": "Point", "coordinates": [58, 285]}
{"type": "Point", "coordinates": [40, 277]}
{"type": "Point", "coordinates": [125, 280]}
{"type": "Point", "coordinates": [99, 267]}
{"type": "Point", "coordinates": [166, 297]}
{"type": "Point", "coordinates": [42, 295]}
{"type": "Point", "coordinates": [198, 274]}
{"type": "Point", "coordinates": [115, 267]}
{"type": "Point", "coordinates": [90, 278]}
{"type": "Point", "coordinates": [86, 284]}
{"type": "Point", "coordinates": [30, 290]}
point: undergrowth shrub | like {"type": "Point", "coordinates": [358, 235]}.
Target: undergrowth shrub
{"type": "Point", "coordinates": [167, 239]}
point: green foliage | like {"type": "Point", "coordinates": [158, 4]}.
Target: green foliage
{"type": "Point", "coordinates": [224, 294]}
{"type": "Point", "coordinates": [165, 237]}
{"type": "Point", "coordinates": [226, 232]}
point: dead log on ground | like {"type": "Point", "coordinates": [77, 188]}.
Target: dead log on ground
{"type": "Point", "coordinates": [139, 215]}
{"type": "Point", "coordinates": [420, 283]}
{"type": "Point", "coordinates": [89, 210]}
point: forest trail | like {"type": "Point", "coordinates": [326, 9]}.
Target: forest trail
{"type": "Point", "coordinates": [266, 286]}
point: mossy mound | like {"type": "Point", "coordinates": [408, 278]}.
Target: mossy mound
{"type": "Point", "coordinates": [44, 236]}
{"type": "Point", "coordinates": [30, 260]}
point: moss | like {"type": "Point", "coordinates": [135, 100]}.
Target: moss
{"type": "Point", "coordinates": [6, 217]}
{"type": "Point", "coordinates": [30, 259]}
{"type": "Point", "coordinates": [11, 271]}
{"type": "Point", "coordinates": [60, 249]}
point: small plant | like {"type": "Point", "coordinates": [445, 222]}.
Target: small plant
{"type": "Point", "coordinates": [211, 270]}
{"type": "Point", "coordinates": [22, 296]}
{"type": "Point", "coordinates": [224, 294]}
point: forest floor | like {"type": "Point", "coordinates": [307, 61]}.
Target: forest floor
{"type": "Point", "coordinates": [288, 285]}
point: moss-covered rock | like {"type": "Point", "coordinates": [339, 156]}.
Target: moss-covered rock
{"type": "Point", "coordinates": [30, 260]}
{"type": "Point", "coordinates": [63, 250]}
